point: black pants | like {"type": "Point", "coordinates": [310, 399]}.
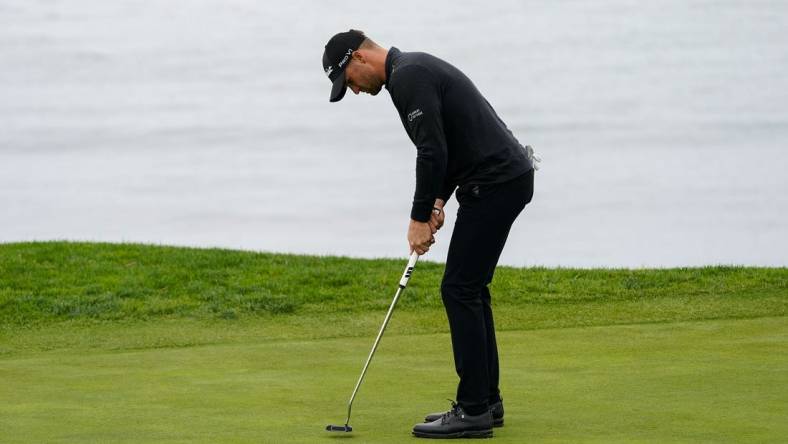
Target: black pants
{"type": "Point", "coordinates": [484, 218]}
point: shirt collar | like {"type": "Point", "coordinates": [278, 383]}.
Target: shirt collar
{"type": "Point", "coordinates": [391, 60]}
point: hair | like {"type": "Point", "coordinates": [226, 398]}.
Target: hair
{"type": "Point", "coordinates": [368, 43]}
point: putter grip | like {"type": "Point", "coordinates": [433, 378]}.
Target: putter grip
{"type": "Point", "coordinates": [409, 269]}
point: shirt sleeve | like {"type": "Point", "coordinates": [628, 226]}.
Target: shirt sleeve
{"type": "Point", "coordinates": [448, 189]}
{"type": "Point", "coordinates": [419, 96]}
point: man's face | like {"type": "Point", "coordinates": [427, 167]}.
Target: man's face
{"type": "Point", "coordinates": [360, 77]}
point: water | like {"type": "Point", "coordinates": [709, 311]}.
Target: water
{"type": "Point", "coordinates": [663, 128]}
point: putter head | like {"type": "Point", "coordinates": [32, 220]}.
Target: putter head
{"type": "Point", "coordinates": [336, 428]}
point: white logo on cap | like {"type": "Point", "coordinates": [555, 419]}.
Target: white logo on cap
{"type": "Point", "coordinates": [329, 70]}
{"type": "Point", "coordinates": [346, 58]}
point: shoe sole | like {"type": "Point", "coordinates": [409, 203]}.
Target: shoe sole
{"type": "Point", "coordinates": [464, 434]}
{"type": "Point", "coordinates": [496, 422]}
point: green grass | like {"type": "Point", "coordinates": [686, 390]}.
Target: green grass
{"type": "Point", "coordinates": [136, 343]}
{"type": "Point", "coordinates": [713, 381]}
{"type": "Point", "coordinates": [53, 282]}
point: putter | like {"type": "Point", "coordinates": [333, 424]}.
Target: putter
{"type": "Point", "coordinates": [402, 283]}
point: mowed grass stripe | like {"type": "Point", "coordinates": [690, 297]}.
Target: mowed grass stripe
{"type": "Point", "coordinates": [713, 381]}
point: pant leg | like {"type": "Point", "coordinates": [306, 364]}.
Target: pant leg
{"type": "Point", "coordinates": [493, 372]}
{"type": "Point", "coordinates": [480, 232]}
{"type": "Point", "coordinates": [494, 392]}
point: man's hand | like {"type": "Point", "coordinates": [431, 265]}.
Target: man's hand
{"type": "Point", "coordinates": [420, 236]}
{"type": "Point", "coordinates": [436, 220]}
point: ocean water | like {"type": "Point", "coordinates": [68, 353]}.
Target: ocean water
{"type": "Point", "coordinates": [663, 127]}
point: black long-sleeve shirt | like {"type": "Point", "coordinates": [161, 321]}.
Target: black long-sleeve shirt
{"type": "Point", "coordinates": [459, 138]}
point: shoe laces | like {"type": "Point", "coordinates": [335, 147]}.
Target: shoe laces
{"type": "Point", "coordinates": [455, 411]}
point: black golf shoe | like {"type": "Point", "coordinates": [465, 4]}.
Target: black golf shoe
{"type": "Point", "coordinates": [456, 424]}
{"type": "Point", "coordinates": [496, 409]}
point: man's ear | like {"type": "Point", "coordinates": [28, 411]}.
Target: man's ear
{"type": "Point", "coordinates": [359, 56]}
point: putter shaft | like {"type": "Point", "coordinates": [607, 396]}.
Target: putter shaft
{"type": "Point", "coordinates": [414, 257]}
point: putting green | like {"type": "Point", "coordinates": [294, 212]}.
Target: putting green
{"type": "Point", "coordinates": [711, 381]}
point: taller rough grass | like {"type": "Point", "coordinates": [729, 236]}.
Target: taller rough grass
{"type": "Point", "coordinates": [47, 282]}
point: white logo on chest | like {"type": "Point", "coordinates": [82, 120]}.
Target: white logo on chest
{"type": "Point", "coordinates": [413, 114]}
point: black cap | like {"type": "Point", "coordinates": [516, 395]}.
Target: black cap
{"type": "Point", "coordinates": [336, 58]}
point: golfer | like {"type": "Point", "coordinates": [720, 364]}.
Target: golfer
{"type": "Point", "coordinates": [461, 144]}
